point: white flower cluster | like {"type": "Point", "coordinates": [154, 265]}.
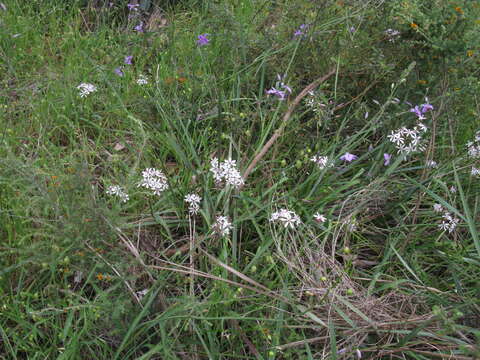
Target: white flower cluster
{"type": "Point", "coordinates": [226, 172]}
{"type": "Point", "coordinates": [142, 80]}
{"type": "Point", "coordinates": [323, 162]}
{"type": "Point", "coordinates": [392, 35]}
{"type": "Point", "coordinates": [116, 190]}
{"type": "Point", "coordinates": [286, 217]}
{"type": "Point", "coordinates": [475, 171]}
{"type": "Point", "coordinates": [314, 103]}
{"type": "Point", "coordinates": [449, 223]}
{"type": "Point", "coordinates": [473, 147]}
{"type": "Point", "coordinates": [408, 141]}
{"type": "Point", "coordinates": [154, 180]}
{"type": "Point", "coordinates": [193, 201]}
{"type": "Point", "coordinates": [86, 89]}
{"type": "Point", "coordinates": [222, 226]}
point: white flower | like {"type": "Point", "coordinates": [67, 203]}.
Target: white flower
{"type": "Point", "coordinates": [453, 189]}
{"type": "Point", "coordinates": [222, 226]}
{"type": "Point", "coordinates": [396, 137]}
{"type": "Point", "coordinates": [86, 89]}
{"type": "Point", "coordinates": [475, 171]}
{"type": "Point", "coordinates": [286, 217]}
{"type": "Point", "coordinates": [408, 141]}
{"type": "Point", "coordinates": [392, 35]}
{"type": "Point", "coordinates": [449, 223]}
{"type": "Point", "coordinates": [431, 164]}
{"type": "Point", "coordinates": [420, 127]}
{"type": "Point", "coordinates": [141, 293]}
{"type": "Point", "coordinates": [352, 225]}
{"type": "Point", "coordinates": [226, 172]}
{"type": "Point", "coordinates": [319, 217]}
{"type": "Point", "coordinates": [193, 201]}
{"type": "Point", "coordinates": [473, 147]}
{"type": "Point", "coordinates": [444, 226]}
{"type": "Point", "coordinates": [437, 208]}
{"type": "Point", "coordinates": [154, 180]}
{"type": "Point", "coordinates": [322, 161]}
{"type": "Point", "coordinates": [142, 80]}
{"type": "Point", "coordinates": [359, 353]}
{"type": "Point", "coordinates": [116, 190]}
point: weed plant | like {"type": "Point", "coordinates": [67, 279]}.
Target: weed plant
{"type": "Point", "coordinates": [239, 179]}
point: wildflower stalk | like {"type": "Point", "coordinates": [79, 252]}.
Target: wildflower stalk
{"type": "Point", "coordinates": [191, 222]}
{"type": "Point", "coordinates": [285, 119]}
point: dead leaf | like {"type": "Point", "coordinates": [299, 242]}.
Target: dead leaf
{"type": "Point", "coordinates": [119, 147]}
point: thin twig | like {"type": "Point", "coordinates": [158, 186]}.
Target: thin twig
{"type": "Point", "coordinates": [245, 339]}
{"type": "Point", "coordinates": [134, 295]}
{"type": "Point", "coordinates": [285, 119]}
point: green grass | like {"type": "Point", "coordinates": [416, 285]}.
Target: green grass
{"type": "Point", "coordinates": [379, 276]}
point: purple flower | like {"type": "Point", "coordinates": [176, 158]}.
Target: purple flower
{"type": "Point", "coordinates": [422, 109]}
{"type": "Point", "coordinates": [279, 93]}
{"type": "Point", "coordinates": [426, 107]}
{"type": "Point", "coordinates": [128, 60]}
{"type": "Point", "coordinates": [417, 111]}
{"type": "Point", "coordinates": [352, 29]}
{"type": "Point", "coordinates": [348, 157]}
{"type": "Point", "coordinates": [133, 6]}
{"type": "Point", "coordinates": [139, 27]}
{"type": "Point", "coordinates": [118, 71]}
{"type": "Point", "coordinates": [202, 39]}
{"type": "Point", "coordinates": [387, 158]}
{"type": "Point", "coordinates": [300, 30]}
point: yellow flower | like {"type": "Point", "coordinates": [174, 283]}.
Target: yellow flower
{"type": "Point", "coordinates": [421, 82]}
{"type": "Point", "coordinates": [459, 10]}
{"type": "Point", "coordinates": [413, 25]}
{"type": "Point", "coordinates": [469, 53]}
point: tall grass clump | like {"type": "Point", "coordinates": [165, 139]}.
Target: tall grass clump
{"type": "Point", "coordinates": [239, 179]}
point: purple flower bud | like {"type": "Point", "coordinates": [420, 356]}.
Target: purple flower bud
{"type": "Point", "coordinates": [348, 157]}
{"type": "Point", "coordinates": [118, 71]}
{"type": "Point", "coordinates": [133, 7]}
{"type": "Point", "coordinates": [387, 158]}
{"type": "Point", "coordinates": [128, 60]}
